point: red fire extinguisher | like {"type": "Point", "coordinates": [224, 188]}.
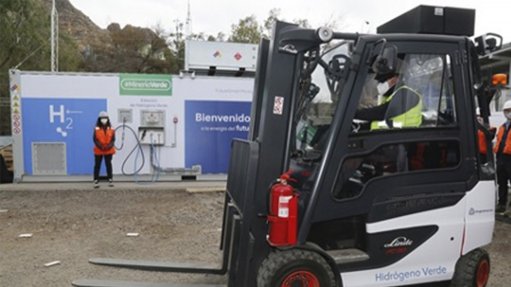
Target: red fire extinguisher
{"type": "Point", "coordinates": [283, 213]}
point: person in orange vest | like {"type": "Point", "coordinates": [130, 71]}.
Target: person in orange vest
{"type": "Point", "coordinates": [482, 141]}
{"type": "Point", "coordinates": [104, 139]}
{"type": "Point", "coordinates": [502, 149]}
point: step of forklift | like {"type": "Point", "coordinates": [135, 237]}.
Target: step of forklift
{"type": "Point", "coordinates": [184, 267]}
{"type": "Point", "coordinates": [344, 256]}
{"type": "Point", "coordinates": [111, 283]}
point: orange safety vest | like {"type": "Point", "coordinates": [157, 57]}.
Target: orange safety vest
{"type": "Point", "coordinates": [483, 147]}
{"type": "Point", "coordinates": [104, 137]}
{"type": "Point", "coordinates": [507, 146]}
{"type": "Point", "coordinates": [417, 159]}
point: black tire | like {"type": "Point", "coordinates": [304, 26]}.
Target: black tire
{"type": "Point", "coordinates": [295, 266]}
{"type": "Point", "coordinates": [472, 270]}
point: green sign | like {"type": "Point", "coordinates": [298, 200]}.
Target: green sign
{"type": "Point", "coordinates": [145, 85]}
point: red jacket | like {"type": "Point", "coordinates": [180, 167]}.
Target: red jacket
{"type": "Point", "coordinates": [104, 141]}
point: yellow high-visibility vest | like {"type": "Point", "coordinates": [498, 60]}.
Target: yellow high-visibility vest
{"type": "Point", "coordinates": [410, 119]}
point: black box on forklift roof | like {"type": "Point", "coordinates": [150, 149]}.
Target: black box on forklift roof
{"type": "Point", "coordinates": [432, 20]}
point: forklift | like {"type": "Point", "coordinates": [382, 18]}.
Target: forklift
{"type": "Point", "coordinates": [321, 194]}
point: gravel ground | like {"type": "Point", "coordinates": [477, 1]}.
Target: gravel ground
{"type": "Point", "coordinates": [72, 222]}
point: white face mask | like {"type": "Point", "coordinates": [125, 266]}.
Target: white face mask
{"type": "Point", "coordinates": [382, 87]}
{"type": "Point", "coordinates": [104, 121]}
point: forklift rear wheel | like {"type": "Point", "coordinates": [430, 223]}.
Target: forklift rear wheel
{"type": "Point", "coordinates": [473, 269]}
{"type": "Point", "coordinates": [290, 268]}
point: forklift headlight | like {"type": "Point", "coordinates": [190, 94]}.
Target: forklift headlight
{"type": "Point", "coordinates": [325, 34]}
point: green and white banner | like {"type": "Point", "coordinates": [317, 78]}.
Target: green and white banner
{"type": "Point", "coordinates": [145, 85]}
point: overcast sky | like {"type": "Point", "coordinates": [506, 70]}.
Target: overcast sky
{"type": "Point", "coordinates": [213, 16]}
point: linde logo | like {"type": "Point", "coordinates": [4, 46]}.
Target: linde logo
{"type": "Point", "coordinates": [473, 211]}
{"type": "Point", "coordinates": [399, 242]}
{"type": "Point", "coordinates": [145, 84]}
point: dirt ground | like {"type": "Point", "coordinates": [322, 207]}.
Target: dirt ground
{"type": "Point", "coordinates": [73, 222]}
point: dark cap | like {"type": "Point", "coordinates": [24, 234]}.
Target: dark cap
{"type": "Point", "coordinates": [384, 77]}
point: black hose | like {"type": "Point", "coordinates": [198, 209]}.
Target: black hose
{"type": "Point", "coordinates": [137, 146]}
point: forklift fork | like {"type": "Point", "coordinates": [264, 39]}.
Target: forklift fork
{"type": "Point", "coordinates": [109, 283]}
{"type": "Point", "coordinates": [231, 230]}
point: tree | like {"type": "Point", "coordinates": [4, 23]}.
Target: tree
{"type": "Point", "coordinates": [70, 58]}
{"type": "Point", "coordinates": [21, 33]}
{"type": "Point", "coordinates": [25, 33]}
{"type": "Point", "coordinates": [246, 31]}
{"type": "Point", "coordinates": [273, 16]}
{"type": "Point", "coordinates": [176, 42]}
{"type": "Point", "coordinates": [220, 37]}
{"type": "Point", "coordinates": [25, 37]}
{"type": "Point", "coordinates": [304, 23]}
{"type": "Point", "coordinates": [133, 50]}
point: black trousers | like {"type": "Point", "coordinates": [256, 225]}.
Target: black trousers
{"type": "Point", "coordinates": [503, 177]}
{"type": "Point", "coordinates": [97, 165]}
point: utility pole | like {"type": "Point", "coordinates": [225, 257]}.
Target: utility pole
{"type": "Point", "coordinates": [188, 23]}
{"type": "Point", "coordinates": [54, 38]}
{"type": "Point", "coordinates": [179, 28]}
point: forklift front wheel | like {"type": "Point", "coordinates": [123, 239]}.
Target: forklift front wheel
{"type": "Point", "coordinates": [295, 268]}
{"type": "Point", "coordinates": [472, 269]}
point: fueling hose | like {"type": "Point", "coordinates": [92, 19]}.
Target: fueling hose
{"type": "Point", "coordinates": [154, 176]}
{"type": "Point", "coordinates": [138, 148]}
{"type": "Point", "coordinates": [155, 164]}
{"type": "Point", "coordinates": [154, 158]}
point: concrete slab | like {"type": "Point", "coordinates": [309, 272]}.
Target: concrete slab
{"type": "Point", "coordinates": [205, 189]}
{"type": "Point", "coordinates": [122, 178]}
{"type": "Point", "coordinates": [81, 186]}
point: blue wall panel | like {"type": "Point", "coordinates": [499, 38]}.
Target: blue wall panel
{"type": "Point", "coordinates": [210, 127]}
{"type": "Point", "coordinates": [62, 120]}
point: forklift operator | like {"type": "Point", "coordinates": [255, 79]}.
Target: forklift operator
{"type": "Point", "coordinates": [399, 106]}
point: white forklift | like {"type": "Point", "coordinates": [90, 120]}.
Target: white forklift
{"type": "Point", "coordinates": [376, 186]}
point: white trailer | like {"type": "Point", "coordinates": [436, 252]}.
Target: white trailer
{"type": "Point", "coordinates": [184, 125]}
{"type": "Point", "coordinates": [205, 57]}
